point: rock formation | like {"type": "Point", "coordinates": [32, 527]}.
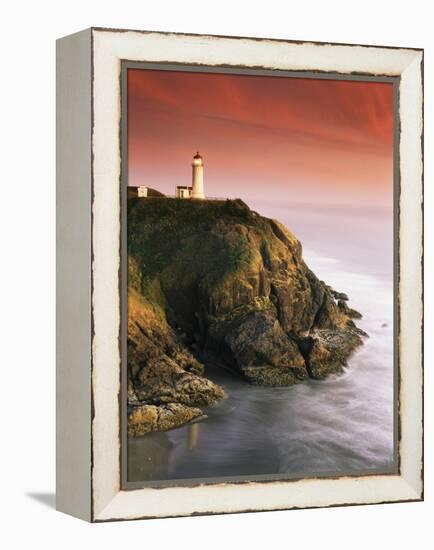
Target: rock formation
{"type": "Point", "coordinates": [213, 281]}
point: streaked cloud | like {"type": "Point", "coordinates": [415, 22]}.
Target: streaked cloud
{"type": "Point", "coordinates": [303, 138]}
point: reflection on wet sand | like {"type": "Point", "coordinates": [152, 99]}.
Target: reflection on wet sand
{"type": "Point", "coordinates": [193, 436]}
{"type": "Point", "coordinates": [148, 457]}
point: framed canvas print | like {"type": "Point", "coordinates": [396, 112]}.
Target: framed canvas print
{"type": "Point", "coordinates": [239, 267]}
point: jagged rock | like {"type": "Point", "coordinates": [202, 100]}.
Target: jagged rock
{"type": "Point", "coordinates": [352, 313]}
{"type": "Point", "coordinates": [215, 279]}
{"type": "Point", "coordinates": [338, 295]}
{"type": "Point", "coordinates": [326, 351]}
{"type": "Point", "coordinates": [152, 418]}
{"type": "Point", "coordinates": [161, 371]}
{"type": "Point", "coordinates": [258, 343]}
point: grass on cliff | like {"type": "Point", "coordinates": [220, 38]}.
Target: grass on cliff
{"type": "Point", "coordinates": [180, 239]}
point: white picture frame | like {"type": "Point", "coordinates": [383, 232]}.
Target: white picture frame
{"type": "Point", "coordinates": [89, 480]}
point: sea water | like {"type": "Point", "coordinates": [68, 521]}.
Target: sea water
{"type": "Point", "coordinates": [341, 425]}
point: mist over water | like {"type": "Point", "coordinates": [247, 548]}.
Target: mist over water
{"type": "Point", "coordinates": [340, 425]}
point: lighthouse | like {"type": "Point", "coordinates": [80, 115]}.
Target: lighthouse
{"type": "Point", "coordinates": [196, 189]}
{"type": "Point", "coordinates": [197, 181]}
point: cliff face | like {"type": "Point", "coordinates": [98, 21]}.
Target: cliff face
{"type": "Point", "coordinates": [213, 281]}
{"type": "Point", "coordinates": [166, 385]}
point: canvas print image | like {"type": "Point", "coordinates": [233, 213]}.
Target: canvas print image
{"type": "Point", "coordinates": [260, 275]}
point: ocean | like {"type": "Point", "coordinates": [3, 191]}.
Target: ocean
{"type": "Point", "coordinates": [338, 426]}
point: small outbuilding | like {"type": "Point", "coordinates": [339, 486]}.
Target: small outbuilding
{"type": "Point", "coordinates": [142, 191]}
{"type": "Point", "coordinates": [183, 192]}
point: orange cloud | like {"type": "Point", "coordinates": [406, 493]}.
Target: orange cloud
{"type": "Point", "coordinates": [310, 139]}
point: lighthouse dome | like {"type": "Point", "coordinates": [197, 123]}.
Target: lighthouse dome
{"type": "Point", "coordinates": [197, 160]}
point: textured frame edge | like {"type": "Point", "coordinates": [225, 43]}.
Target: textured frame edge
{"type": "Point", "coordinates": [109, 503]}
{"type": "Point", "coordinates": [73, 274]}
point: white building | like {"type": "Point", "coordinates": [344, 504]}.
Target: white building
{"type": "Point", "coordinates": [183, 192]}
{"type": "Point", "coordinates": [142, 191]}
{"type": "Point", "coordinates": [196, 191]}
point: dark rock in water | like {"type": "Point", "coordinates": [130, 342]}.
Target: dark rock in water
{"type": "Point", "coordinates": [150, 418]}
{"type": "Point", "coordinates": [257, 343]}
{"type": "Point", "coordinates": [215, 279]}
{"type": "Point", "coordinates": [352, 313]}
{"type": "Point", "coordinates": [166, 385]}
{"type": "Point", "coordinates": [328, 351]}
{"type": "Point", "coordinates": [339, 295]}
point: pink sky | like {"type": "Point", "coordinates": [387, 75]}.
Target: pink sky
{"type": "Point", "coordinates": [286, 139]}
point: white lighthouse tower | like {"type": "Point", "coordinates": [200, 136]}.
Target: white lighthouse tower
{"type": "Point", "coordinates": [197, 182]}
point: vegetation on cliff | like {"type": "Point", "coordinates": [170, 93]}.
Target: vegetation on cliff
{"type": "Point", "coordinates": [213, 281]}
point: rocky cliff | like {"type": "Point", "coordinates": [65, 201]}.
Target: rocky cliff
{"type": "Point", "coordinates": [213, 281]}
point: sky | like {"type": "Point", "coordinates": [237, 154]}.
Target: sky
{"type": "Point", "coordinates": [262, 138]}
